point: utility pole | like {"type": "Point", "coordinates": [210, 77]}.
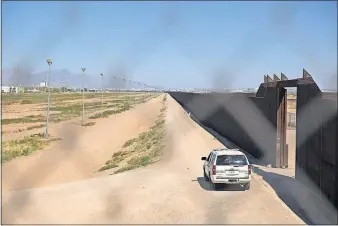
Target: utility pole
{"type": "Point", "coordinates": [49, 62]}
{"type": "Point", "coordinates": [45, 81]}
{"type": "Point", "coordinates": [16, 85]}
{"type": "Point", "coordinates": [133, 92]}
{"type": "Point", "coordinates": [139, 96]}
{"type": "Point", "coordinates": [114, 92]}
{"type": "Point", "coordinates": [84, 74]}
{"type": "Point", "coordinates": [130, 92]}
{"type": "Point", "coordinates": [15, 79]}
{"type": "Point", "coordinates": [101, 94]}
{"type": "Point", "coordinates": [18, 75]}
{"type": "Point", "coordinates": [125, 91]}
{"type": "Point", "coordinates": [146, 93]}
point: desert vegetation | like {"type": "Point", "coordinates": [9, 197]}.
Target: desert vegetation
{"type": "Point", "coordinates": [23, 147]}
{"type": "Point", "coordinates": [25, 112]}
{"type": "Point", "coordinates": [142, 150]}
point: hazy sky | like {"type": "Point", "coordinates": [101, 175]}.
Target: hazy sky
{"type": "Point", "coordinates": [175, 44]}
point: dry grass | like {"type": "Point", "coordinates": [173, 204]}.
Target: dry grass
{"type": "Point", "coordinates": [292, 96]}
{"type": "Point", "coordinates": [27, 119]}
{"type": "Point", "coordinates": [129, 142]}
{"type": "Point", "coordinates": [36, 98]}
{"type": "Point", "coordinates": [66, 111]}
{"type": "Point", "coordinates": [291, 104]}
{"type": "Point", "coordinates": [23, 147]}
{"type": "Point", "coordinates": [105, 114]}
{"type": "Point", "coordinates": [35, 127]}
{"type": "Point", "coordinates": [26, 102]}
{"type": "Point", "coordinates": [140, 151]}
{"type": "Point", "coordinates": [19, 130]}
{"type": "Point", "coordinates": [89, 124]}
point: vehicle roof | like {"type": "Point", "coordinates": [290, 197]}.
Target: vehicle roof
{"type": "Point", "coordinates": [225, 151]}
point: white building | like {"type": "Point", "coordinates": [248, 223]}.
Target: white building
{"type": "Point", "coordinates": [12, 89]}
{"type": "Point", "coordinates": [5, 89]}
{"type": "Point", "coordinates": [42, 84]}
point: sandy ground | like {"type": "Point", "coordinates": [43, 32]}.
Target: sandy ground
{"type": "Point", "coordinates": [170, 191]}
{"type": "Point", "coordinates": [312, 208]}
{"type": "Point", "coordinates": [291, 141]}
{"type": "Point", "coordinates": [18, 131]}
{"type": "Point", "coordinates": [17, 110]}
{"type": "Point", "coordinates": [82, 151]}
{"type": "Point", "coordinates": [21, 110]}
{"type": "Point", "coordinates": [291, 136]}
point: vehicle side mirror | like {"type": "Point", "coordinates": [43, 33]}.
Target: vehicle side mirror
{"type": "Point", "coordinates": [204, 158]}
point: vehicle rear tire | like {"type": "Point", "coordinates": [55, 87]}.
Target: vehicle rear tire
{"type": "Point", "coordinates": [216, 186]}
{"type": "Point", "coordinates": [246, 186]}
{"type": "Point", "coordinates": [205, 176]}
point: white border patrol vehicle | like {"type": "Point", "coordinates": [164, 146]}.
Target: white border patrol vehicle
{"type": "Point", "coordinates": [227, 166]}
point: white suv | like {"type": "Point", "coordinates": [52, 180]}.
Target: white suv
{"type": "Point", "coordinates": [227, 166]}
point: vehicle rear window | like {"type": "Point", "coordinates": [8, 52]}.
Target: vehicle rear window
{"type": "Point", "coordinates": [231, 160]}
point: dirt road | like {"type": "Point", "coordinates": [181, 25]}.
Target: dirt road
{"type": "Point", "coordinates": [170, 191]}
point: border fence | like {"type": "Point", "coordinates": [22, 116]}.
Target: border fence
{"type": "Point", "coordinates": [316, 133]}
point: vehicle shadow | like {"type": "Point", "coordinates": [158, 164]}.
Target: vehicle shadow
{"type": "Point", "coordinates": [206, 185]}
{"type": "Point", "coordinates": [305, 204]}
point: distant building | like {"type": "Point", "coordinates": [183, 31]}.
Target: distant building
{"type": "Point", "coordinates": [12, 89]}
{"type": "Point", "coordinates": [42, 84]}
{"type": "Point", "coordinates": [33, 90]}
{"type": "Point", "coordinates": [5, 89]}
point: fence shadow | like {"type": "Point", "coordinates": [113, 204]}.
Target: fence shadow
{"type": "Point", "coordinates": [304, 203]}
{"type": "Point", "coordinates": [316, 148]}
{"type": "Point", "coordinates": [307, 205]}
{"type": "Point", "coordinates": [222, 139]}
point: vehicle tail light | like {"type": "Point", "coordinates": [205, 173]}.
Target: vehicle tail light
{"type": "Point", "coordinates": [213, 170]}
{"type": "Point", "coordinates": [249, 169]}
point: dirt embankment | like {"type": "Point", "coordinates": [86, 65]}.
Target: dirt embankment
{"type": "Point", "coordinates": [82, 150]}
